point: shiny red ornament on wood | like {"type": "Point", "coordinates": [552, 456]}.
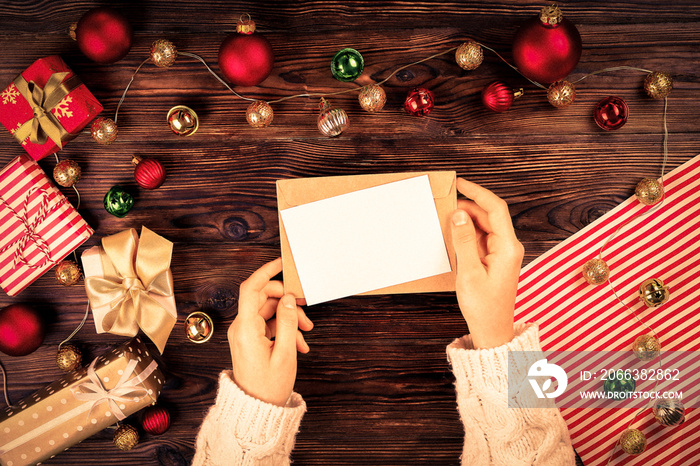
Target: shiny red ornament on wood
{"type": "Point", "coordinates": [155, 420]}
{"type": "Point", "coordinates": [611, 113]}
{"type": "Point", "coordinates": [148, 173]}
{"type": "Point", "coordinates": [22, 330]}
{"type": "Point", "coordinates": [547, 47]}
{"type": "Point", "coordinates": [104, 35]}
{"type": "Point", "coordinates": [499, 97]}
{"type": "Point", "coordinates": [246, 58]}
{"type": "Point", "coordinates": [419, 101]}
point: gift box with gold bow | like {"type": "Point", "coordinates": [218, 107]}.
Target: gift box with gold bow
{"type": "Point", "coordinates": [46, 106]}
{"type": "Point", "coordinates": [130, 285]}
{"type": "Point", "coordinates": [38, 226]}
{"type": "Point", "coordinates": [80, 404]}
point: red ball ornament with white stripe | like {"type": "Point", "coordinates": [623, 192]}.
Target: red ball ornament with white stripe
{"type": "Point", "coordinates": [148, 173]}
{"type": "Point", "coordinates": [155, 420]}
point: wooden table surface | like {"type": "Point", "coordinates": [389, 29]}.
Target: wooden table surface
{"type": "Point", "coordinates": [377, 383]}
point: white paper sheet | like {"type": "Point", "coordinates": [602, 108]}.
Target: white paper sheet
{"type": "Point", "coordinates": [366, 240]}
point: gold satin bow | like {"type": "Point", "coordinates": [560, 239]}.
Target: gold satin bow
{"type": "Point", "coordinates": [44, 124]}
{"type": "Point", "coordinates": [134, 270]}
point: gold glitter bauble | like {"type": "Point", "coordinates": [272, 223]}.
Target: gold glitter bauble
{"type": "Point", "coordinates": [668, 412]}
{"type": "Point", "coordinates": [372, 98]}
{"type": "Point", "coordinates": [183, 120]}
{"type": "Point", "coordinates": [653, 292]}
{"type": "Point", "coordinates": [199, 327]}
{"type": "Point", "coordinates": [68, 358]}
{"type": "Point", "coordinates": [646, 347]}
{"type": "Point", "coordinates": [104, 131]}
{"type": "Point", "coordinates": [561, 94]}
{"type": "Point", "coordinates": [633, 441]}
{"type": "Point", "coordinates": [259, 114]}
{"type": "Point", "coordinates": [68, 273]}
{"type": "Point", "coordinates": [469, 55]}
{"type": "Point", "coordinates": [126, 437]}
{"type": "Point", "coordinates": [67, 173]}
{"type": "Point", "coordinates": [596, 271]}
{"type": "Point", "coordinates": [658, 84]}
{"type": "Point", "coordinates": [649, 191]}
{"type": "Point", "coordinates": [163, 53]}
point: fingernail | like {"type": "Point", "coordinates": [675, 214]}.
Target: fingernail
{"type": "Point", "coordinates": [459, 218]}
{"type": "Point", "coordinates": [289, 302]}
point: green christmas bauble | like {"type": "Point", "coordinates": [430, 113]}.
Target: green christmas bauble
{"type": "Point", "coordinates": [619, 385]}
{"type": "Point", "coordinates": [118, 202]}
{"type": "Point", "coordinates": [347, 65]}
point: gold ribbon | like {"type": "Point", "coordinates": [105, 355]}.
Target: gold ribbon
{"type": "Point", "coordinates": [126, 390]}
{"type": "Point", "coordinates": [44, 124]}
{"type": "Point", "coordinates": [134, 271]}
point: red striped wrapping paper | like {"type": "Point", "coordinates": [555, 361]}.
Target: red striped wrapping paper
{"type": "Point", "coordinates": [39, 227]}
{"type": "Point", "coordinates": [575, 316]}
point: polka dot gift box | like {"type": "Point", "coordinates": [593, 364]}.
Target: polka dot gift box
{"type": "Point", "coordinates": [80, 404]}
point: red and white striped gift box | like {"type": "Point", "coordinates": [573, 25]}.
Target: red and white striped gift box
{"type": "Point", "coordinates": [575, 316]}
{"type": "Point", "coordinates": [39, 227]}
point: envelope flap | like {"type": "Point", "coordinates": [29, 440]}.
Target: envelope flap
{"type": "Point", "coordinates": [301, 191]}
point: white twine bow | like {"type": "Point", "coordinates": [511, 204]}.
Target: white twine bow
{"type": "Point", "coordinates": [126, 390]}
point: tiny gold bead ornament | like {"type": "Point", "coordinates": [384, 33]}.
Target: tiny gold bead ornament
{"type": "Point", "coordinates": [372, 98]}
{"type": "Point", "coordinates": [646, 347]}
{"type": "Point", "coordinates": [183, 120]}
{"type": "Point", "coordinates": [126, 437]}
{"type": "Point", "coordinates": [71, 30]}
{"type": "Point", "coordinates": [596, 271]}
{"type": "Point", "coordinates": [259, 114]}
{"type": "Point", "coordinates": [104, 131]}
{"type": "Point", "coordinates": [653, 292]}
{"type": "Point", "coordinates": [633, 441]}
{"type": "Point", "coordinates": [649, 191]}
{"type": "Point", "coordinates": [668, 412]}
{"type": "Point", "coordinates": [68, 358]}
{"type": "Point", "coordinates": [163, 53]}
{"type": "Point", "coordinates": [469, 55]}
{"type": "Point", "coordinates": [199, 327]}
{"type": "Point", "coordinates": [561, 94]}
{"type": "Point", "coordinates": [67, 173]}
{"type": "Point", "coordinates": [658, 84]}
{"type": "Point", "coordinates": [68, 273]}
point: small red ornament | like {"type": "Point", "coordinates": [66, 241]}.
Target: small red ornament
{"type": "Point", "coordinates": [499, 97]}
{"type": "Point", "coordinates": [547, 47]}
{"type": "Point", "coordinates": [155, 420]}
{"type": "Point", "coordinates": [148, 173]}
{"type": "Point", "coordinates": [21, 330]}
{"type": "Point", "coordinates": [104, 35]}
{"type": "Point", "coordinates": [419, 101]}
{"type": "Point", "coordinates": [246, 58]}
{"type": "Point", "coordinates": [611, 113]}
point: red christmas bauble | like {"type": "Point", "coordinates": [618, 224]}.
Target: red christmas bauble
{"type": "Point", "coordinates": [155, 420]}
{"type": "Point", "coordinates": [148, 173]}
{"type": "Point", "coordinates": [246, 59]}
{"type": "Point", "coordinates": [498, 96]}
{"type": "Point", "coordinates": [611, 113]}
{"type": "Point", "coordinates": [546, 52]}
{"type": "Point", "coordinates": [104, 35]}
{"type": "Point", "coordinates": [21, 330]}
{"type": "Point", "coordinates": [419, 101]}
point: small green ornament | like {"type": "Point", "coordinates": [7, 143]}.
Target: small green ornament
{"type": "Point", "coordinates": [619, 385]}
{"type": "Point", "coordinates": [118, 202]}
{"type": "Point", "coordinates": [347, 65]}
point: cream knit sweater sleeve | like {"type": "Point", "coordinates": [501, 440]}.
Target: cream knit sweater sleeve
{"type": "Point", "coordinates": [495, 434]}
{"type": "Point", "coordinates": [240, 430]}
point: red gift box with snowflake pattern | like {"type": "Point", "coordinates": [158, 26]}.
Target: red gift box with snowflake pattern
{"type": "Point", "coordinates": [46, 106]}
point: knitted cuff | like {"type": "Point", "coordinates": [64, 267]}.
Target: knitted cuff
{"type": "Point", "coordinates": [257, 423]}
{"type": "Point", "coordinates": [479, 370]}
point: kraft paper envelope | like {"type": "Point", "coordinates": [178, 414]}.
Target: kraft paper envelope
{"type": "Point", "coordinates": [297, 192]}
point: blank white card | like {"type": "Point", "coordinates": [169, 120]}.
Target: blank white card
{"type": "Point", "coordinates": [365, 240]}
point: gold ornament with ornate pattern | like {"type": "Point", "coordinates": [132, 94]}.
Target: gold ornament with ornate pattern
{"type": "Point", "coordinates": [649, 191]}
{"type": "Point", "coordinates": [67, 173]}
{"type": "Point", "coordinates": [126, 437]}
{"type": "Point", "coordinates": [658, 84]}
{"type": "Point", "coordinates": [561, 94]}
{"type": "Point", "coordinates": [163, 53]}
{"type": "Point", "coordinates": [68, 358]}
{"type": "Point", "coordinates": [633, 441]}
{"type": "Point", "coordinates": [372, 98]}
{"type": "Point", "coordinates": [469, 55]}
{"type": "Point", "coordinates": [259, 114]}
{"type": "Point", "coordinates": [68, 273]}
{"type": "Point", "coordinates": [104, 131]}
{"type": "Point", "coordinates": [596, 271]}
{"type": "Point", "coordinates": [646, 347]}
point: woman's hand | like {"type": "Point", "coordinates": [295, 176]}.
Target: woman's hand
{"type": "Point", "coordinates": [265, 337]}
{"type": "Point", "coordinates": [489, 257]}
